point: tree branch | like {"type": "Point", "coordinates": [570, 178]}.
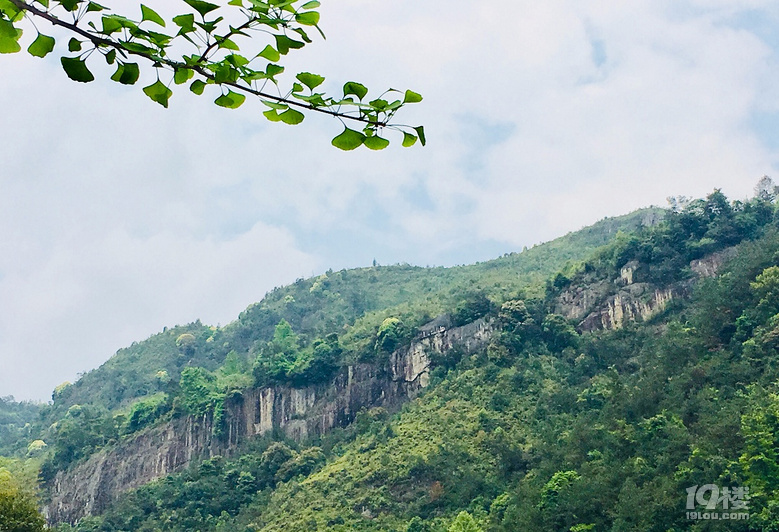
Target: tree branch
{"type": "Point", "coordinates": [99, 41]}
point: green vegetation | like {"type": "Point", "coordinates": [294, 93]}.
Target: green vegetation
{"type": "Point", "coordinates": [18, 508]}
{"type": "Point", "coordinates": [146, 411]}
{"type": "Point", "coordinates": [16, 421]}
{"type": "Point", "coordinates": [302, 333]}
{"type": "Point", "coordinates": [208, 496]}
{"type": "Point", "coordinates": [700, 227]}
{"type": "Point", "coordinates": [236, 46]}
{"type": "Point", "coordinates": [545, 429]}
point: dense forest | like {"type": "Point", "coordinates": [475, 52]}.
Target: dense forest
{"type": "Point", "coordinates": [552, 427]}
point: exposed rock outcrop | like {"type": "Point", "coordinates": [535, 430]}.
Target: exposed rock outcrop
{"type": "Point", "coordinates": [610, 304]}
{"type": "Point", "coordinates": [299, 413]}
{"type": "Point", "coordinates": [711, 264]}
{"type": "Point", "coordinates": [638, 302]}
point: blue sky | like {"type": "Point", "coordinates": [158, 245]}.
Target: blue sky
{"type": "Point", "coordinates": [119, 217]}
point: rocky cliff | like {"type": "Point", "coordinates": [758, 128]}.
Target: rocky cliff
{"type": "Point", "coordinates": [299, 413]}
{"type": "Point", "coordinates": [610, 304]}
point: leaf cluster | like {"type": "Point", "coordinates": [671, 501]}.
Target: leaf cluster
{"type": "Point", "coordinates": [234, 50]}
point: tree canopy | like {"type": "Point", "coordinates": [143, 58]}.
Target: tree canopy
{"type": "Point", "coordinates": [233, 49]}
{"type": "Point", "coordinates": [18, 511]}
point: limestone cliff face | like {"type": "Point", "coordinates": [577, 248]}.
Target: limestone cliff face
{"type": "Point", "coordinates": [711, 264]}
{"type": "Point", "coordinates": [300, 413]}
{"type": "Point", "coordinates": [610, 304]}
{"type": "Point", "coordinates": [636, 302]}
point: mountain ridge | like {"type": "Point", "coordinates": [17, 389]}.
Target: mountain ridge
{"type": "Point", "coordinates": [258, 321]}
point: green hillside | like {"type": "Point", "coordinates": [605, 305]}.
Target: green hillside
{"type": "Point", "coordinates": [548, 428]}
{"type": "Point", "coordinates": [332, 303]}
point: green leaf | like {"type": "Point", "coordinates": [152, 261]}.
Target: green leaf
{"type": "Point", "coordinates": [358, 89]}
{"type": "Point", "coordinates": [272, 115]}
{"type": "Point", "coordinates": [412, 97]}
{"type": "Point", "coordinates": [225, 73]}
{"type": "Point", "coordinates": [137, 47]}
{"type": "Point", "coordinates": [310, 18]}
{"type": "Point", "coordinates": [231, 100]}
{"type": "Point", "coordinates": [397, 104]}
{"type": "Point", "coordinates": [197, 87]}
{"type": "Point", "coordinates": [151, 15]}
{"type": "Point", "coordinates": [41, 46]}
{"type": "Point", "coordinates": [159, 93]}
{"type": "Point", "coordinates": [270, 54]}
{"type": "Point", "coordinates": [315, 100]}
{"type": "Point", "coordinates": [376, 143]}
{"type": "Point", "coordinates": [74, 45]}
{"type": "Point", "coordinates": [311, 5]}
{"type": "Point", "coordinates": [201, 7]}
{"type": "Point", "coordinates": [111, 24]}
{"type": "Point", "coordinates": [274, 70]}
{"type": "Point", "coordinates": [124, 22]}
{"type": "Point", "coordinates": [237, 60]}
{"type": "Point", "coordinates": [110, 57]}
{"type": "Point", "coordinates": [284, 44]}
{"type": "Point", "coordinates": [210, 26]}
{"type": "Point", "coordinates": [94, 7]}
{"type": "Point", "coordinates": [421, 133]}
{"type": "Point", "coordinates": [70, 5]}
{"type": "Point", "coordinates": [159, 39]}
{"type": "Point", "coordinates": [76, 69]}
{"type": "Point", "coordinates": [182, 75]}
{"type": "Point", "coordinates": [126, 73]}
{"type": "Point", "coordinates": [185, 22]}
{"type": "Point", "coordinates": [302, 33]}
{"type": "Point", "coordinates": [275, 105]}
{"type": "Point", "coordinates": [349, 140]}
{"type": "Point", "coordinates": [311, 81]}
{"type": "Point", "coordinates": [260, 7]}
{"type": "Point", "coordinates": [409, 140]}
{"type": "Point", "coordinates": [292, 117]}
{"type": "Point", "coordinates": [9, 38]}
{"type": "Point", "coordinates": [379, 104]}
{"type": "Point", "coordinates": [12, 13]}
{"type": "Point", "coordinates": [228, 44]}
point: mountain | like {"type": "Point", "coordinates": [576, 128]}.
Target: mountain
{"type": "Point", "coordinates": [610, 380]}
{"type": "Point", "coordinates": [351, 303]}
{"type": "Point", "coordinates": [140, 384]}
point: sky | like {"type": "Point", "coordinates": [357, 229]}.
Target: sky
{"type": "Point", "coordinates": [119, 217]}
